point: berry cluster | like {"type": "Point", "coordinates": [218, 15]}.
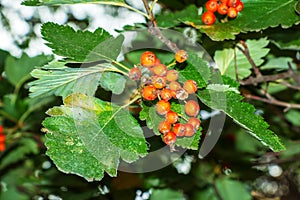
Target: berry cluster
{"type": "Point", "coordinates": [2, 139]}
{"type": "Point", "coordinates": [231, 8]}
{"type": "Point", "coordinates": [157, 82]}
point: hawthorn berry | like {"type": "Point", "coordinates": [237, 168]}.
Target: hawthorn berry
{"type": "Point", "coordinates": [181, 94]}
{"type": "Point", "coordinates": [170, 138]}
{"type": "Point", "coordinates": [211, 5]}
{"type": "Point", "coordinates": [164, 127]}
{"type": "Point", "coordinates": [172, 75]}
{"type": "Point", "coordinates": [189, 130]}
{"type": "Point", "coordinates": [240, 6]}
{"type": "Point", "coordinates": [171, 117]}
{"type": "Point", "coordinates": [149, 93]}
{"type": "Point", "coordinates": [190, 86]}
{"type": "Point", "coordinates": [1, 129]}
{"type": "Point", "coordinates": [166, 94]}
{"type": "Point", "coordinates": [232, 12]}
{"type": "Point", "coordinates": [208, 18]}
{"type": "Point", "coordinates": [162, 107]}
{"type": "Point", "coordinates": [174, 85]}
{"type": "Point", "coordinates": [2, 138]}
{"type": "Point", "coordinates": [179, 129]}
{"type": "Point", "coordinates": [148, 59]}
{"type": "Point", "coordinates": [195, 122]}
{"type": "Point", "coordinates": [135, 74]}
{"type": "Point", "coordinates": [181, 56]}
{"type": "Point", "coordinates": [222, 9]}
{"type": "Point", "coordinates": [224, 1]}
{"type": "Point", "coordinates": [192, 108]}
{"type": "Point", "coordinates": [160, 70]}
{"type": "Point", "coordinates": [158, 82]}
{"type": "Point", "coordinates": [2, 147]}
{"type": "Point", "coordinates": [233, 3]}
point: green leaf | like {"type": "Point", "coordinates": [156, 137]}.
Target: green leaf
{"type": "Point", "coordinates": [113, 82]}
{"type": "Point", "coordinates": [226, 62]}
{"type": "Point", "coordinates": [289, 39]}
{"type": "Point", "coordinates": [233, 190]}
{"type": "Point", "coordinates": [297, 7]}
{"type": "Point", "coordinates": [148, 114]}
{"type": "Point", "coordinates": [158, 194]}
{"type": "Point", "coordinates": [208, 193]}
{"type": "Point", "coordinates": [190, 142]}
{"type": "Point", "coordinates": [293, 116]}
{"type": "Point", "coordinates": [87, 136]}
{"type": "Point", "coordinates": [25, 146]}
{"type": "Point", "coordinates": [279, 63]}
{"type": "Point", "coordinates": [81, 46]}
{"type": "Point", "coordinates": [60, 80]}
{"type": "Point", "coordinates": [18, 69]}
{"type": "Point", "coordinates": [243, 114]}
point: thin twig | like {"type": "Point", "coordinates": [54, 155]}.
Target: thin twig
{"type": "Point", "coordinates": [246, 52]}
{"type": "Point", "coordinates": [285, 83]}
{"type": "Point", "coordinates": [154, 30]}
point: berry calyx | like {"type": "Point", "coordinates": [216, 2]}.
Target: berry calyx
{"type": "Point", "coordinates": [162, 107]}
{"type": "Point", "coordinates": [192, 108]}
{"type": "Point", "coordinates": [159, 82]}
{"type": "Point", "coordinates": [166, 94]}
{"type": "Point", "coordinates": [171, 117]}
{"type": "Point", "coordinates": [208, 18]}
{"type": "Point", "coordinates": [149, 93]}
{"type": "Point", "coordinates": [172, 75]}
{"type": "Point", "coordinates": [195, 122]}
{"type": "Point", "coordinates": [170, 138]}
{"type": "Point", "coordinates": [181, 56]}
{"type": "Point", "coordinates": [190, 86]}
{"type": "Point", "coordinates": [211, 6]}
{"type": "Point", "coordinates": [148, 59]}
{"type": "Point", "coordinates": [164, 127]}
{"type": "Point", "coordinates": [135, 74]}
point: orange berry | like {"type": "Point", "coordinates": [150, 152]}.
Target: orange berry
{"type": "Point", "coordinates": [135, 74]}
{"type": "Point", "coordinates": [158, 82]}
{"type": "Point", "coordinates": [179, 129]}
{"type": "Point", "coordinates": [190, 86]}
{"type": "Point", "coordinates": [195, 122]}
{"type": "Point", "coordinates": [224, 1]}
{"type": "Point", "coordinates": [2, 138]}
{"type": "Point", "coordinates": [170, 138]}
{"type": "Point", "coordinates": [233, 3]}
{"type": "Point", "coordinates": [164, 127]}
{"type": "Point", "coordinates": [222, 9]}
{"type": "Point", "coordinates": [192, 108]}
{"type": "Point", "coordinates": [160, 70]}
{"type": "Point", "coordinates": [1, 129]}
{"type": "Point", "coordinates": [171, 117]}
{"type": "Point", "coordinates": [240, 6]}
{"type": "Point", "coordinates": [208, 18]}
{"type": "Point", "coordinates": [3, 147]}
{"type": "Point", "coordinates": [181, 94]}
{"type": "Point", "coordinates": [181, 56]}
{"type": "Point", "coordinates": [174, 85]}
{"type": "Point", "coordinates": [211, 6]}
{"type": "Point", "coordinates": [148, 59]}
{"type": "Point", "coordinates": [162, 107]}
{"type": "Point", "coordinates": [232, 12]}
{"type": "Point", "coordinates": [166, 94]}
{"type": "Point", "coordinates": [149, 93]}
{"type": "Point", "coordinates": [172, 75]}
{"type": "Point", "coordinates": [189, 130]}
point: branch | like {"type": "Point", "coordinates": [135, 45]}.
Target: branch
{"type": "Point", "coordinates": [154, 29]}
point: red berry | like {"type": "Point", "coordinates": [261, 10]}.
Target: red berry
{"type": "Point", "coordinates": [166, 94]}
{"type": "Point", "coordinates": [224, 1]}
{"type": "Point", "coordinates": [179, 129]}
{"type": "Point", "coordinates": [189, 130]}
{"type": "Point", "coordinates": [172, 75]}
{"type": "Point", "coordinates": [149, 93]}
{"type": "Point", "coordinates": [162, 107]}
{"type": "Point", "coordinates": [148, 59]}
{"type": "Point", "coordinates": [192, 108]}
{"type": "Point", "coordinates": [233, 3]}
{"type": "Point", "coordinates": [190, 86]}
{"type": "Point", "coordinates": [160, 70]}
{"type": "Point", "coordinates": [1, 129]}
{"type": "Point", "coordinates": [208, 18]}
{"type": "Point", "coordinates": [181, 56]}
{"type": "Point", "coordinates": [222, 9]}
{"type": "Point", "coordinates": [174, 85]}
{"type": "Point", "coordinates": [211, 6]}
{"type": "Point", "coordinates": [170, 138]}
{"type": "Point", "coordinates": [195, 122]}
{"type": "Point", "coordinates": [2, 147]}
{"type": "Point", "coordinates": [232, 12]}
{"type": "Point", "coordinates": [164, 127]}
{"type": "Point", "coordinates": [171, 117]}
{"type": "Point", "coordinates": [2, 138]}
{"type": "Point", "coordinates": [158, 82]}
{"type": "Point", "coordinates": [181, 94]}
{"type": "Point", "coordinates": [135, 74]}
{"type": "Point", "coordinates": [240, 6]}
